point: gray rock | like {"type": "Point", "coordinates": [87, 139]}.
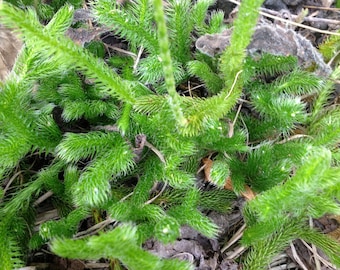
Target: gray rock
{"type": "Point", "coordinates": [269, 38]}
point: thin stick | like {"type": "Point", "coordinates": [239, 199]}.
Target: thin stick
{"type": "Point", "coordinates": [237, 114]}
{"type": "Point", "coordinates": [294, 137]}
{"type": "Point", "coordinates": [155, 150]}
{"type": "Point", "coordinates": [236, 253]}
{"type": "Point", "coordinates": [122, 51]}
{"type": "Point", "coordinates": [197, 86]}
{"type": "Point", "coordinates": [291, 22]}
{"type": "Point", "coordinates": [96, 265]}
{"type": "Point", "coordinates": [278, 260]}
{"type": "Point", "coordinates": [234, 83]}
{"type": "Point", "coordinates": [307, 19]}
{"type": "Point", "coordinates": [95, 228]}
{"type": "Point", "coordinates": [127, 196]}
{"type": "Point", "coordinates": [330, 62]}
{"type": "Point", "coordinates": [315, 252]}
{"type": "Point", "coordinates": [328, 264]}
{"type": "Point", "coordinates": [299, 24]}
{"type": "Point", "coordinates": [45, 216]}
{"type": "Point", "coordinates": [159, 194]}
{"type": "Point", "coordinates": [296, 257]}
{"type": "Point", "coordinates": [43, 198]}
{"type": "Point", "coordinates": [139, 55]}
{"type": "Point", "coordinates": [189, 89]}
{"type": "Point", "coordinates": [324, 8]}
{"type": "Point", "coordinates": [10, 182]}
{"type": "Point", "coordinates": [235, 238]}
{"type": "Point", "coordinates": [284, 267]}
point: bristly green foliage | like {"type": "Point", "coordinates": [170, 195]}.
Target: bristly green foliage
{"type": "Point", "coordinates": [119, 243]}
{"type": "Point", "coordinates": [17, 217]}
{"type": "Point", "coordinates": [267, 165]}
{"type": "Point", "coordinates": [208, 200]}
{"type": "Point", "coordinates": [262, 251]}
{"type": "Point", "coordinates": [330, 246]}
{"type": "Point", "coordinates": [135, 23]}
{"type": "Point", "coordinates": [203, 71]}
{"type": "Point", "coordinates": [329, 49]}
{"type": "Point", "coordinates": [314, 175]}
{"type": "Point", "coordinates": [164, 53]}
{"type": "Point", "coordinates": [230, 66]}
{"type": "Point", "coordinates": [45, 10]}
{"type": "Point", "coordinates": [276, 216]}
{"type": "Point", "coordinates": [65, 227]}
{"type": "Point", "coordinates": [102, 135]}
{"type": "Point", "coordinates": [276, 95]}
{"type": "Point", "coordinates": [232, 59]}
{"type": "Point", "coordinates": [268, 65]}
{"type": "Point", "coordinates": [11, 253]}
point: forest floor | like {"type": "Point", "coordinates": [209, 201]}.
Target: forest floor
{"type": "Point", "coordinates": [312, 20]}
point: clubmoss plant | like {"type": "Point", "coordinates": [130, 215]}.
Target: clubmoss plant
{"type": "Point", "coordinates": [100, 135]}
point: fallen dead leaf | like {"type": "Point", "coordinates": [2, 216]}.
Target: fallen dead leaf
{"type": "Point", "coordinates": [10, 46]}
{"type": "Point", "coordinates": [248, 193]}
{"type": "Point", "coordinates": [208, 163]}
{"type": "Point", "coordinates": [335, 234]}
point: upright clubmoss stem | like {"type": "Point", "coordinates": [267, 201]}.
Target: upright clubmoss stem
{"type": "Point", "coordinates": [244, 27]}
{"type": "Point", "coordinates": [164, 52]}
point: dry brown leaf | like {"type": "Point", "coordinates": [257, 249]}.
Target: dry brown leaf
{"type": "Point", "coordinates": [81, 35]}
{"type": "Point", "coordinates": [248, 193]}
{"type": "Point", "coordinates": [336, 233]}
{"type": "Point", "coordinates": [207, 168]}
{"type": "Point", "coordinates": [10, 46]}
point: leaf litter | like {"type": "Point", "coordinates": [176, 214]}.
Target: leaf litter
{"type": "Point", "coordinates": [221, 253]}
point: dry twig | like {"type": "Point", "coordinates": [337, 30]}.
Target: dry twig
{"type": "Point", "coordinates": [292, 22]}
